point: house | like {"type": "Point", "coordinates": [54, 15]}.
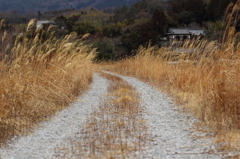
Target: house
{"type": "Point", "coordinates": [181, 34]}
{"type": "Point", "coordinates": [178, 34]}
{"type": "Point", "coordinates": [196, 32]}
{"type": "Point", "coordinates": [44, 22]}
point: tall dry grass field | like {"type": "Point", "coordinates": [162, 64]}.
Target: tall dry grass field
{"type": "Point", "coordinates": [205, 82]}
{"type": "Point", "coordinates": [39, 77]}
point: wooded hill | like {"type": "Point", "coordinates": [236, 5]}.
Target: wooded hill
{"type": "Point", "coordinates": [23, 6]}
{"type": "Point", "coordinates": [127, 27]}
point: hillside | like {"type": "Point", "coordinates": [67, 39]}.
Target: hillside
{"type": "Point", "coordinates": [44, 5]}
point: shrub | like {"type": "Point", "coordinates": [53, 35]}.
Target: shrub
{"type": "Point", "coordinates": [105, 50]}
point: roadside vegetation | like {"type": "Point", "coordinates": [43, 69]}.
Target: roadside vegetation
{"type": "Point", "coordinates": [44, 69]}
{"type": "Point", "coordinates": [205, 82]}
{"type": "Point", "coordinates": [39, 77]}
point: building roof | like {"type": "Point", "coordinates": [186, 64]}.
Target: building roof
{"type": "Point", "coordinates": [196, 31]}
{"type": "Point", "coordinates": [179, 31]}
{"type": "Point", "coordinates": [185, 31]}
{"type": "Point", "coordinates": [41, 22]}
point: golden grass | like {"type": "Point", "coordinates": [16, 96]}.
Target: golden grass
{"type": "Point", "coordinates": [209, 89]}
{"type": "Point", "coordinates": [38, 78]}
{"type": "Point", "coordinates": [205, 82]}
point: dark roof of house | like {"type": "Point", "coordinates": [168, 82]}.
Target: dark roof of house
{"type": "Point", "coordinates": [179, 31]}
{"type": "Point", "coordinates": [185, 31]}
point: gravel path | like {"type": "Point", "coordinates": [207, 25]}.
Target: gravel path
{"type": "Point", "coordinates": [170, 128]}
{"type": "Point", "coordinates": [65, 124]}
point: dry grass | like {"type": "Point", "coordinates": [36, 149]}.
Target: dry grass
{"type": "Point", "coordinates": [205, 82]}
{"type": "Point", "coordinates": [39, 77]}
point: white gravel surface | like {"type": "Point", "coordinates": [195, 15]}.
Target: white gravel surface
{"type": "Point", "coordinates": [170, 128]}
{"type": "Point", "coordinates": [56, 131]}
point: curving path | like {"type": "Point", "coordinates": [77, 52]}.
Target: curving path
{"type": "Point", "coordinates": [170, 128]}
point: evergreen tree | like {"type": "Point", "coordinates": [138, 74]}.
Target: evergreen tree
{"type": "Point", "coordinates": [217, 8]}
{"type": "Point", "coordinates": [211, 9]}
{"type": "Point", "coordinates": [39, 15]}
{"type": "Point", "coordinates": [197, 8]}
{"type": "Point", "coordinates": [221, 8]}
{"type": "Point", "coordinates": [159, 21]}
{"type": "Point", "coordinates": [178, 6]}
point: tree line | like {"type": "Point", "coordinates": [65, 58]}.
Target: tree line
{"type": "Point", "coordinates": [143, 22]}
